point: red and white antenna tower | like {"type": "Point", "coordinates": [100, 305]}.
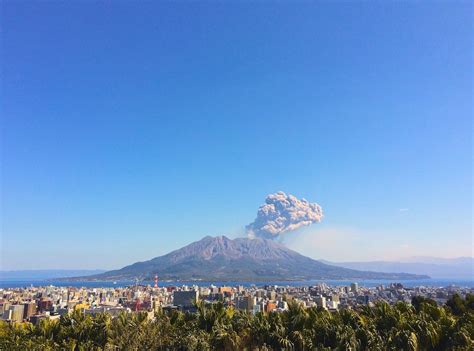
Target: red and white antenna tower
{"type": "Point", "coordinates": [156, 281]}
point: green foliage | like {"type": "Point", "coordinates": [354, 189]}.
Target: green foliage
{"type": "Point", "coordinates": [459, 305]}
{"type": "Point", "coordinates": [419, 302]}
{"type": "Point", "coordinates": [420, 326]}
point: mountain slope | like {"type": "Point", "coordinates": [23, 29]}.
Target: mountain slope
{"type": "Point", "coordinates": [220, 258]}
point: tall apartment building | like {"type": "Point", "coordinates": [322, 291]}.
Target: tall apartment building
{"type": "Point", "coordinates": [246, 303]}
{"type": "Point", "coordinates": [17, 312]}
{"type": "Point", "coordinates": [185, 298]}
{"type": "Point", "coordinates": [320, 301]}
{"type": "Point", "coordinates": [29, 309]}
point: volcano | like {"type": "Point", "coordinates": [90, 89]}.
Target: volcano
{"type": "Point", "coordinates": [242, 259]}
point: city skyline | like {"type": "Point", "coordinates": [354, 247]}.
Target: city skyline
{"type": "Point", "coordinates": [131, 131]}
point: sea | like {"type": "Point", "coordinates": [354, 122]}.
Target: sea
{"type": "Point", "coordinates": [124, 283]}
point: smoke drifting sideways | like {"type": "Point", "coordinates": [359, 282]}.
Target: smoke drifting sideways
{"type": "Point", "coordinates": [283, 213]}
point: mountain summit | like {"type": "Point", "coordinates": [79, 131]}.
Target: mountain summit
{"type": "Point", "coordinates": [220, 258]}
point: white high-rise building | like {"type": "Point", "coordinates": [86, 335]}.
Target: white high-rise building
{"type": "Point", "coordinates": [320, 301]}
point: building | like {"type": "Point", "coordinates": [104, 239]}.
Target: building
{"type": "Point", "coordinates": [45, 304]}
{"type": "Point", "coordinates": [354, 287]}
{"type": "Point", "coordinates": [320, 301]}
{"type": "Point", "coordinates": [4, 306]}
{"type": "Point", "coordinates": [225, 289]}
{"type": "Point", "coordinates": [17, 312]}
{"type": "Point", "coordinates": [7, 315]}
{"type": "Point", "coordinates": [36, 319]}
{"type": "Point", "coordinates": [29, 309]}
{"type": "Point", "coordinates": [185, 298]}
{"type": "Point", "coordinates": [271, 295]}
{"type": "Point", "coordinates": [81, 306]}
{"type": "Point", "coordinates": [270, 306]}
{"type": "Point", "coordinates": [245, 303]}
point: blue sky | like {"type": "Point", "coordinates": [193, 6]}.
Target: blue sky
{"type": "Point", "coordinates": [131, 129]}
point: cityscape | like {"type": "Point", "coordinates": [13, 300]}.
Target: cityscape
{"type": "Point", "coordinates": [49, 302]}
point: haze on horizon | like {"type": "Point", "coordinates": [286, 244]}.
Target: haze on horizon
{"type": "Point", "coordinates": [129, 130]}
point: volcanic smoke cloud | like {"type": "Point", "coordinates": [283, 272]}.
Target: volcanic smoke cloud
{"type": "Point", "coordinates": [283, 213]}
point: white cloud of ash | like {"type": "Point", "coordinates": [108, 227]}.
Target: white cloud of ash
{"type": "Point", "coordinates": [283, 213]}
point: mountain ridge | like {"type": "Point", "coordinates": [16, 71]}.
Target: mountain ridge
{"type": "Point", "coordinates": [442, 268]}
{"type": "Point", "coordinates": [40, 274]}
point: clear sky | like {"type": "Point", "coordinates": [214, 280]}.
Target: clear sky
{"type": "Point", "coordinates": [130, 129]}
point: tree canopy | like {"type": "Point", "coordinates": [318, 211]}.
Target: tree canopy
{"type": "Point", "coordinates": [420, 326]}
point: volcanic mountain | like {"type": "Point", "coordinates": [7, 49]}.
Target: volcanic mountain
{"type": "Point", "coordinates": [222, 259]}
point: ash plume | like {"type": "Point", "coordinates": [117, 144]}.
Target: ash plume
{"type": "Point", "coordinates": [283, 213]}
